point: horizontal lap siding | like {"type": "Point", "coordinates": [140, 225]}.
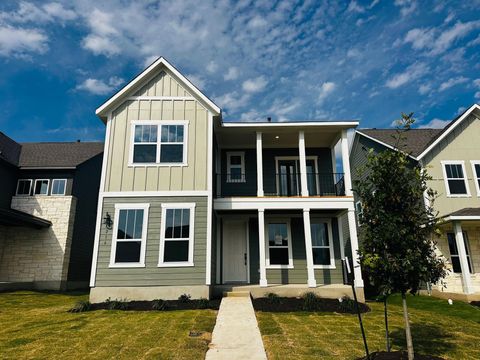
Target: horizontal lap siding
{"type": "Point", "coordinates": [151, 274]}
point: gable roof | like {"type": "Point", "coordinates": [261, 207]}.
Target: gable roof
{"type": "Point", "coordinates": [57, 154]}
{"type": "Point", "coordinates": [112, 102]}
{"type": "Point", "coordinates": [415, 139]}
{"type": "Point", "coordinates": [9, 149]}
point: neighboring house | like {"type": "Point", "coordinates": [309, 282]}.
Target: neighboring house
{"type": "Point", "coordinates": [47, 213]}
{"type": "Point", "coordinates": [452, 158]}
{"type": "Point", "coordinates": [191, 204]}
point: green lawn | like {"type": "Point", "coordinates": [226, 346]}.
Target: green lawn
{"type": "Point", "coordinates": [37, 325]}
{"type": "Point", "coordinates": [449, 331]}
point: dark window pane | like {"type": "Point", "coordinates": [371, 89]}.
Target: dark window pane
{"type": "Point", "coordinates": [180, 133]}
{"type": "Point", "coordinates": [456, 264]}
{"type": "Point", "coordinates": [235, 160]}
{"type": "Point", "coordinates": [457, 187]}
{"type": "Point", "coordinates": [138, 133]}
{"type": "Point", "coordinates": [129, 228]}
{"type": "Point", "coordinates": [186, 223]}
{"type": "Point", "coordinates": [321, 256]}
{"type": "Point", "coordinates": [278, 256]}
{"type": "Point", "coordinates": [58, 187]}
{"type": "Point", "coordinates": [137, 232]}
{"type": "Point", "coordinates": [177, 228]}
{"type": "Point", "coordinates": [171, 153]}
{"type": "Point", "coordinates": [128, 251]}
{"type": "Point", "coordinates": [169, 224]}
{"type": "Point", "coordinates": [452, 244]}
{"type": "Point", "coordinates": [319, 234]}
{"type": "Point", "coordinates": [41, 187]}
{"type": "Point", "coordinates": [454, 171]}
{"type": "Point", "coordinates": [24, 187]}
{"type": "Point", "coordinates": [144, 153]}
{"type": "Point", "coordinates": [175, 251]}
{"type": "Point", "coordinates": [122, 223]}
{"type": "Point", "coordinates": [477, 170]}
{"type": "Point", "coordinates": [277, 234]}
{"type": "Point", "coordinates": [235, 174]}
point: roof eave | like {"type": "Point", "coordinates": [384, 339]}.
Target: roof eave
{"type": "Point", "coordinates": [349, 124]}
{"type": "Point", "coordinates": [384, 144]}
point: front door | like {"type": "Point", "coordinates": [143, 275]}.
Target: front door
{"type": "Point", "coordinates": [235, 251]}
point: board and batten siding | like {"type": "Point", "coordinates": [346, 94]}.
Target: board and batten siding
{"type": "Point", "coordinates": [192, 177]}
{"type": "Point", "coordinates": [151, 274]}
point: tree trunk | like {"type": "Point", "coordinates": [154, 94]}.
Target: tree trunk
{"type": "Point", "coordinates": [408, 334]}
{"type": "Point", "coordinates": [387, 337]}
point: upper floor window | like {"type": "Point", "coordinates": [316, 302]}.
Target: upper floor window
{"type": "Point", "coordinates": [476, 174]}
{"type": "Point", "coordinates": [41, 187]}
{"type": "Point", "coordinates": [59, 186]}
{"type": "Point", "coordinates": [455, 178]}
{"type": "Point", "coordinates": [24, 187]}
{"type": "Point", "coordinates": [159, 142]}
{"type": "Point", "coordinates": [236, 167]}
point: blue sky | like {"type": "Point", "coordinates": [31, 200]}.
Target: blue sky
{"type": "Point", "coordinates": [290, 60]}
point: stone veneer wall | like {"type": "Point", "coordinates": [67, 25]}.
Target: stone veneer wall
{"type": "Point", "coordinates": [40, 256]}
{"type": "Point", "coordinates": [454, 280]}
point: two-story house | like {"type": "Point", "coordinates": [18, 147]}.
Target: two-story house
{"type": "Point", "coordinates": [452, 158]}
{"type": "Point", "coordinates": [48, 201]}
{"type": "Point", "coordinates": [191, 204]}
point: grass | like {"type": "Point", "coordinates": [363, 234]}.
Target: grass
{"type": "Point", "coordinates": [37, 325]}
{"type": "Point", "coordinates": [449, 331]}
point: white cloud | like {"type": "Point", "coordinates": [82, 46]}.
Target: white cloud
{"type": "Point", "coordinates": [477, 95]}
{"type": "Point", "coordinates": [325, 90]}
{"type": "Point", "coordinates": [29, 12]}
{"type": "Point", "coordinates": [355, 7]}
{"type": "Point", "coordinates": [280, 109]}
{"type": "Point", "coordinates": [21, 42]}
{"type": "Point", "coordinates": [452, 82]}
{"type": "Point", "coordinates": [435, 124]}
{"type": "Point", "coordinates": [424, 89]}
{"type": "Point", "coordinates": [100, 45]}
{"type": "Point", "coordinates": [254, 85]}
{"type": "Point", "coordinates": [448, 37]}
{"type": "Point", "coordinates": [232, 101]}
{"type": "Point", "coordinates": [57, 10]}
{"type": "Point", "coordinates": [420, 38]}
{"type": "Point", "coordinates": [406, 6]}
{"type": "Point", "coordinates": [212, 66]}
{"type": "Point", "coordinates": [476, 82]}
{"type": "Point", "coordinates": [100, 87]}
{"type": "Point", "coordinates": [197, 80]}
{"type": "Point", "coordinates": [150, 59]}
{"type": "Point", "coordinates": [413, 72]}
{"type": "Point", "coordinates": [103, 37]}
{"type": "Point", "coordinates": [461, 109]}
{"type": "Point", "coordinates": [231, 74]}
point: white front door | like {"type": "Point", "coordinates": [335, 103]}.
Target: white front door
{"type": "Point", "coordinates": [235, 256]}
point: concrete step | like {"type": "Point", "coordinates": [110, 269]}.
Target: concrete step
{"type": "Point", "coordinates": [236, 294]}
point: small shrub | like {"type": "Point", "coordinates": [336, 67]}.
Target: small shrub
{"type": "Point", "coordinates": [273, 298]}
{"type": "Point", "coordinates": [184, 298]}
{"type": "Point", "coordinates": [81, 306]}
{"type": "Point", "coordinates": [347, 304]}
{"type": "Point", "coordinates": [310, 301]}
{"type": "Point", "coordinates": [203, 303]}
{"type": "Point", "coordinates": [159, 305]}
{"type": "Point", "coordinates": [117, 304]}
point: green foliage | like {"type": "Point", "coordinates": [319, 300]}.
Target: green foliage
{"type": "Point", "coordinates": [184, 298]}
{"type": "Point", "coordinates": [117, 304]}
{"type": "Point", "coordinates": [273, 298]}
{"type": "Point", "coordinates": [310, 301]}
{"type": "Point", "coordinates": [398, 229]}
{"type": "Point", "coordinates": [347, 304]}
{"type": "Point", "coordinates": [159, 305]}
{"type": "Point", "coordinates": [81, 306]}
{"type": "Point", "coordinates": [203, 303]}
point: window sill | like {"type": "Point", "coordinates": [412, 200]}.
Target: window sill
{"type": "Point", "coordinates": [176, 264]}
{"type": "Point", "coordinates": [126, 265]}
{"type": "Point", "coordinates": [323, 267]}
{"type": "Point", "coordinates": [459, 196]}
{"type": "Point", "coordinates": [279, 267]}
{"type": "Point", "coordinates": [157, 165]}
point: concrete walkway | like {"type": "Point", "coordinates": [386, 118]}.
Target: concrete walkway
{"type": "Point", "coordinates": [236, 334]}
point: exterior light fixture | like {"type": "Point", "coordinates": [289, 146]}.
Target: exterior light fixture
{"type": "Point", "coordinates": [277, 137]}
{"type": "Point", "coordinates": [107, 221]}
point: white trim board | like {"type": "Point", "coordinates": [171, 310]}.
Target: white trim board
{"type": "Point", "coordinates": [348, 124]}
{"type": "Point", "coordinates": [161, 61]}
{"type": "Point", "coordinates": [109, 194]}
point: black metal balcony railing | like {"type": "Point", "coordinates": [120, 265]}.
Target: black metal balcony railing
{"type": "Point", "coordinates": [281, 184]}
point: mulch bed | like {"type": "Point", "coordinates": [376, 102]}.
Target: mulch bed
{"type": "Point", "coordinates": [170, 305]}
{"type": "Point", "coordinates": [475, 303]}
{"type": "Point", "coordinates": [286, 304]}
{"type": "Point", "coordinates": [398, 355]}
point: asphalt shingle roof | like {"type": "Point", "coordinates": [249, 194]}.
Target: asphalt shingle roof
{"type": "Point", "coordinates": [415, 140]}
{"type": "Point", "coordinates": [466, 212]}
{"type": "Point", "coordinates": [58, 154]}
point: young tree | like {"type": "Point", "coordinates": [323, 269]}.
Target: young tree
{"type": "Point", "coordinates": [397, 250]}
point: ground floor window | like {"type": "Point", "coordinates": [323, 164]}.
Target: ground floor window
{"type": "Point", "coordinates": [129, 235]}
{"type": "Point", "coordinates": [279, 244]}
{"type": "Point", "coordinates": [322, 243]}
{"type": "Point", "coordinates": [454, 257]}
{"type": "Point", "coordinates": [176, 235]}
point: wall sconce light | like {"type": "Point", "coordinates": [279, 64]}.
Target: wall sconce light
{"type": "Point", "coordinates": [107, 221]}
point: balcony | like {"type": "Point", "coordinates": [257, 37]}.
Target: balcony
{"type": "Point", "coordinates": [286, 183]}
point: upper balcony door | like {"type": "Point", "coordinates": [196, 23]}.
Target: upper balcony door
{"type": "Point", "coordinates": [288, 177]}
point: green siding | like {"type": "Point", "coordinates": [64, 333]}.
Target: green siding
{"type": "Point", "coordinates": [151, 274]}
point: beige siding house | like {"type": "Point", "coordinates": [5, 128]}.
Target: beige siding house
{"type": "Point", "coordinates": [193, 204]}
{"type": "Point", "coordinates": [452, 158]}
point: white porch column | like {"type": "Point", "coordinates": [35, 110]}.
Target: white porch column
{"type": "Point", "coordinates": [259, 165]}
{"type": "Point", "coordinates": [261, 247]}
{"type": "Point", "coordinates": [346, 164]}
{"type": "Point", "coordinates": [354, 245]}
{"type": "Point", "coordinates": [308, 247]}
{"type": "Point", "coordinates": [303, 163]}
{"type": "Point", "coordinates": [462, 255]}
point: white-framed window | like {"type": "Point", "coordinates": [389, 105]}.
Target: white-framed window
{"type": "Point", "coordinates": [454, 257]}
{"type": "Point", "coordinates": [41, 187]}
{"type": "Point", "coordinates": [159, 143]}
{"type": "Point", "coordinates": [129, 235]}
{"type": "Point", "coordinates": [455, 178]}
{"type": "Point", "coordinates": [359, 210]}
{"type": "Point", "coordinates": [476, 174]}
{"type": "Point", "coordinates": [24, 187]}
{"type": "Point", "coordinates": [236, 167]}
{"type": "Point", "coordinates": [177, 235]}
{"type": "Point", "coordinates": [322, 244]}
{"type": "Point", "coordinates": [278, 240]}
{"type": "Point", "coordinates": [59, 186]}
